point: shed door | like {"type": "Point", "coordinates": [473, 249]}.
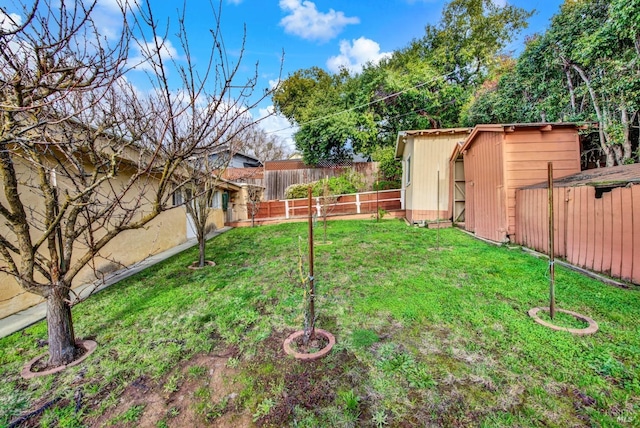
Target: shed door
{"type": "Point", "coordinates": [469, 223]}
{"type": "Point", "coordinates": [458, 191]}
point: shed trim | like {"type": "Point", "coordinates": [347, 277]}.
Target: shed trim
{"type": "Point", "coordinates": [511, 127]}
{"type": "Point", "coordinates": [402, 136]}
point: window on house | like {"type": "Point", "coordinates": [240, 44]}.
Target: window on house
{"type": "Point", "coordinates": [216, 200]}
{"type": "Point", "coordinates": [177, 198]}
{"type": "Point", "coordinates": [408, 170]}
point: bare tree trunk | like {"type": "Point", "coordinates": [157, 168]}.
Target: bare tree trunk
{"type": "Point", "coordinates": [201, 248]}
{"type": "Point", "coordinates": [572, 92]}
{"type": "Point", "coordinates": [606, 148]}
{"type": "Point", "coordinates": [62, 347]}
{"type": "Point", "coordinates": [626, 143]}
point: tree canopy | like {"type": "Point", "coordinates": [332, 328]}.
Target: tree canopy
{"type": "Point", "coordinates": [584, 68]}
{"type": "Point", "coordinates": [424, 85]}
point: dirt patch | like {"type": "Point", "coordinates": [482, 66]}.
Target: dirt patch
{"type": "Point", "coordinates": [200, 392]}
{"type": "Point", "coordinates": [292, 384]}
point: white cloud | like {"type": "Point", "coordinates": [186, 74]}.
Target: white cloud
{"type": "Point", "coordinates": [146, 49]}
{"type": "Point", "coordinates": [304, 20]}
{"type": "Point", "coordinates": [236, 2]}
{"type": "Point", "coordinates": [278, 125]}
{"type": "Point", "coordinates": [273, 83]}
{"type": "Point", "coordinates": [113, 5]}
{"type": "Point", "coordinates": [500, 3]}
{"type": "Point", "coordinates": [356, 54]}
{"type": "Point", "coordinates": [108, 17]}
{"type": "Point", "coordinates": [10, 21]}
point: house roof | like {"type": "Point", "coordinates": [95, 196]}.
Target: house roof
{"type": "Point", "coordinates": [228, 185]}
{"type": "Point", "coordinates": [513, 127]}
{"type": "Point", "coordinates": [253, 161]}
{"type": "Point", "coordinates": [615, 176]}
{"type": "Point", "coordinates": [402, 136]}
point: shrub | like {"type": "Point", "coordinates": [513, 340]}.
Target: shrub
{"type": "Point", "coordinates": [296, 191]}
{"type": "Point", "coordinates": [348, 182]}
{"type": "Point", "coordinates": [390, 168]}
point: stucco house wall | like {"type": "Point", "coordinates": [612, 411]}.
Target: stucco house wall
{"type": "Point", "coordinates": [164, 232]}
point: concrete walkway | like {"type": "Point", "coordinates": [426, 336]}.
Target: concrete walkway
{"type": "Point", "coordinates": [32, 315]}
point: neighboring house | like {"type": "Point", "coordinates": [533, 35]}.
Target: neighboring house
{"type": "Point", "coordinates": [221, 212]}
{"type": "Point", "coordinates": [232, 159]}
{"type": "Point", "coordinates": [423, 154]}
{"type": "Point", "coordinates": [168, 230]}
{"type": "Point", "coordinates": [498, 159]}
{"type": "Point", "coordinates": [596, 220]}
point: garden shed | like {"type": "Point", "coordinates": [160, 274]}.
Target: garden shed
{"type": "Point", "coordinates": [423, 154]}
{"type": "Point", "coordinates": [596, 220]}
{"type": "Point", "coordinates": [498, 159]}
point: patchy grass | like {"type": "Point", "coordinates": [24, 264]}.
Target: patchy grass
{"type": "Point", "coordinates": [424, 337]}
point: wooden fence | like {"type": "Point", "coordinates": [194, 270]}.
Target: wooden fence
{"type": "Point", "coordinates": [358, 203]}
{"type": "Point", "coordinates": [276, 181]}
{"type": "Point", "coordinates": [593, 230]}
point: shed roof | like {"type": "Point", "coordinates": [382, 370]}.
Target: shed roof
{"type": "Point", "coordinates": [402, 136]}
{"type": "Point", "coordinates": [513, 127]}
{"type": "Point", "coordinates": [615, 176]}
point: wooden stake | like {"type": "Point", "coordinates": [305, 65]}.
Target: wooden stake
{"type": "Point", "coordinates": [438, 209]}
{"type": "Point", "coordinates": [312, 291]}
{"type": "Point", "coordinates": [552, 293]}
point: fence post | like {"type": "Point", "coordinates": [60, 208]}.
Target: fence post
{"type": "Point", "coordinates": [358, 203]}
{"type": "Point", "coordinates": [401, 199]}
{"type": "Point", "coordinates": [286, 208]}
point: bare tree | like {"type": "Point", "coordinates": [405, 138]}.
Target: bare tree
{"type": "Point", "coordinates": [254, 198]}
{"type": "Point", "coordinates": [85, 156]}
{"type": "Point", "coordinates": [204, 177]}
{"type": "Point", "coordinates": [264, 146]}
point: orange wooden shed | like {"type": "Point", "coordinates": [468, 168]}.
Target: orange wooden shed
{"type": "Point", "coordinates": [497, 160]}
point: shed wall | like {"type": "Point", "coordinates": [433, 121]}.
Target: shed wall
{"type": "Point", "coordinates": [408, 175]}
{"type": "Point", "coordinates": [526, 154]}
{"type": "Point", "coordinates": [601, 234]}
{"type": "Point", "coordinates": [429, 153]}
{"type": "Point", "coordinates": [432, 153]}
{"type": "Point", "coordinates": [485, 189]}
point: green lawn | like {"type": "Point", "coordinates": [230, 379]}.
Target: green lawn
{"type": "Point", "coordinates": [425, 337]}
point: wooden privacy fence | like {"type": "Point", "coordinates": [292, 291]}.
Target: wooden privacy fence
{"type": "Point", "coordinates": [594, 229]}
{"type": "Point", "coordinates": [358, 203]}
{"type": "Point", "coordinates": [276, 181]}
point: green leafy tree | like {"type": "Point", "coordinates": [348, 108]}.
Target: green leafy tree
{"type": "Point", "coordinates": [424, 85]}
{"type": "Point", "coordinates": [584, 67]}
{"type": "Point", "coordinates": [390, 168]}
{"type": "Point", "coordinates": [466, 43]}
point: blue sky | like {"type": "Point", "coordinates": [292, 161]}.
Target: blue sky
{"type": "Point", "coordinates": [323, 33]}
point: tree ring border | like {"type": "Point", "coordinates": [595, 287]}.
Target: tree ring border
{"type": "Point", "coordinates": [310, 356]}
{"type": "Point", "coordinates": [592, 328]}
{"type": "Point", "coordinates": [207, 263]}
{"type": "Point", "coordinates": [88, 345]}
